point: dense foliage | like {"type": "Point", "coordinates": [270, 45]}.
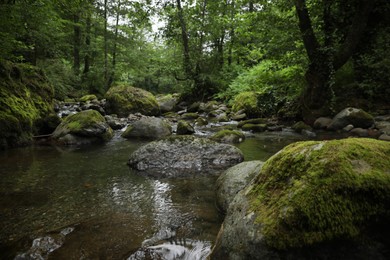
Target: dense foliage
{"type": "Point", "coordinates": [321, 51]}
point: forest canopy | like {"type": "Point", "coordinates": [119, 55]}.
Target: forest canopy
{"type": "Point", "coordinates": [308, 55]}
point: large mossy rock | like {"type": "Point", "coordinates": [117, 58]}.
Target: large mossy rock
{"type": "Point", "coordinates": [168, 102]}
{"type": "Point", "coordinates": [313, 199]}
{"type": "Point", "coordinates": [124, 100]}
{"type": "Point", "coordinates": [255, 104]}
{"type": "Point", "coordinates": [351, 116]}
{"type": "Point", "coordinates": [184, 156]}
{"type": "Point", "coordinates": [85, 127]}
{"type": "Point", "coordinates": [233, 180]}
{"type": "Point", "coordinates": [26, 104]}
{"type": "Point", "coordinates": [148, 127]}
{"type": "Point", "coordinates": [228, 136]}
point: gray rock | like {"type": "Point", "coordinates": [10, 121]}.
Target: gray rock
{"type": "Point", "coordinates": [322, 123]}
{"type": "Point", "coordinates": [168, 102]}
{"type": "Point", "coordinates": [84, 127]}
{"type": "Point", "coordinates": [234, 180]}
{"type": "Point", "coordinates": [348, 128]}
{"type": "Point", "coordinates": [359, 132]}
{"type": "Point", "coordinates": [179, 156]}
{"type": "Point", "coordinates": [148, 127]}
{"type": "Point", "coordinates": [184, 128]}
{"type": "Point", "coordinates": [383, 126]}
{"type": "Point", "coordinates": [354, 116]}
{"type": "Point", "coordinates": [384, 137]}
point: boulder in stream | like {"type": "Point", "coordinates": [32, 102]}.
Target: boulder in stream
{"type": "Point", "coordinates": [179, 156]}
{"type": "Point", "coordinates": [124, 100]}
{"type": "Point", "coordinates": [354, 116]}
{"type": "Point", "coordinates": [148, 127]}
{"type": "Point", "coordinates": [85, 127]}
{"type": "Point", "coordinates": [234, 180]}
{"type": "Point", "coordinates": [313, 199]}
{"type": "Point", "coordinates": [228, 136]}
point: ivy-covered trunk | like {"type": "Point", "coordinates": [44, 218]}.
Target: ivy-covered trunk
{"type": "Point", "coordinates": [327, 56]}
{"type": "Point", "coordinates": [317, 95]}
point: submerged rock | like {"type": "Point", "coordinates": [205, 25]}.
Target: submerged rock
{"type": "Point", "coordinates": [184, 156]}
{"type": "Point", "coordinates": [148, 127]}
{"type": "Point", "coordinates": [313, 199]}
{"type": "Point", "coordinates": [234, 180]}
{"type": "Point", "coordinates": [83, 128]}
{"type": "Point", "coordinates": [124, 100]}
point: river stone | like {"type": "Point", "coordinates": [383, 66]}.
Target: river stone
{"type": "Point", "coordinates": [167, 102]}
{"type": "Point", "coordinates": [228, 136]}
{"type": "Point", "coordinates": [354, 116]}
{"type": "Point", "coordinates": [234, 180]}
{"type": "Point", "coordinates": [184, 128]}
{"type": "Point", "coordinates": [148, 127]}
{"type": "Point", "coordinates": [313, 199]}
{"type": "Point", "coordinates": [84, 127]}
{"type": "Point", "coordinates": [178, 156]}
{"type": "Point", "coordinates": [124, 100]}
{"type": "Point", "coordinates": [322, 123]}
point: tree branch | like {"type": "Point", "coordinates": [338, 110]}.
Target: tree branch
{"type": "Point", "coordinates": [355, 33]}
{"type": "Point", "coordinates": [305, 25]}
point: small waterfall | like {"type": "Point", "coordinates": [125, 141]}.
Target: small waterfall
{"type": "Point", "coordinates": [192, 250]}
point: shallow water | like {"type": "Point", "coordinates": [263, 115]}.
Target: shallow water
{"type": "Point", "coordinates": [73, 203]}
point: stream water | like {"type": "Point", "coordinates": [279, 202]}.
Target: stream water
{"type": "Point", "coordinates": [85, 203]}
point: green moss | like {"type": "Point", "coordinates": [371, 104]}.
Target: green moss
{"type": "Point", "coordinates": [25, 98]}
{"type": "Point", "coordinates": [85, 119]}
{"type": "Point", "coordinates": [300, 126]}
{"type": "Point", "coordinates": [189, 116]}
{"type": "Point", "coordinates": [124, 100]}
{"type": "Point", "coordinates": [252, 121]}
{"type": "Point", "coordinates": [87, 123]}
{"type": "Point", "coordinates": [313, 192]}
{"type": "Point", "coordinates": [246, 101]}
{"type": "Point", "coordinates": [256, 128]}
{"type": "Point", "coordinates": [227, 135]}
{"type": "Point", "coordinates": [87, 98]}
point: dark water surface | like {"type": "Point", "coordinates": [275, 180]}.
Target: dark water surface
{"type": "Point", "coordinates": [85, 203]}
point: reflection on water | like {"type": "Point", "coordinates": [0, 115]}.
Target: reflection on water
{"type": "Point", "coordinates": [111, 211]}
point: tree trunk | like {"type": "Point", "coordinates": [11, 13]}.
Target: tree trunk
{"type": "Point", "coordinates": [184, 36]}
{"type": "Point", "coordinates": [76, 43]}
{"type": "Point", "coordinates": [105, 45]}
{"type": "Point", "coordinates": [325, 60]}
{"type": "Point", "coordinates": [87, 57]}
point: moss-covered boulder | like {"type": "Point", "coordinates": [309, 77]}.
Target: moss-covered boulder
{"type": "Point", "coordinates": [301, 126]}
{"type": "Point", "coordinates": [255, 104]}
{"type": "Point", "coordinates": [351, 116]}
{"type": "Point", "coordinates": [87, 98]}
{"type": "Point", "coordinates": [85, 127]}
{"type": "Point", "coordinates": [313, 198]}
{"type": "Point", "coordinates": [124, 100]}
{"type": "Point", "coordinates": [228, 136]}
{"type": "Point", "coordinates": [148, 127]}
{"type": "Point", "coordinates": [184, 128]}
{"type": "Point", "coordinates": [168, 102]}
{"type": "Point", "coordinates": [26, 103]}
{"type": "Point", "coordinates": [255, 121]}
{"type": "Point", "coordinates": [255, 128]}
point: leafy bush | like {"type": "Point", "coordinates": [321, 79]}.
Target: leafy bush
{"type": "Point", "coordinates": [272, 84]}
{"type": "Point", "coordinates": [60, 74]}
